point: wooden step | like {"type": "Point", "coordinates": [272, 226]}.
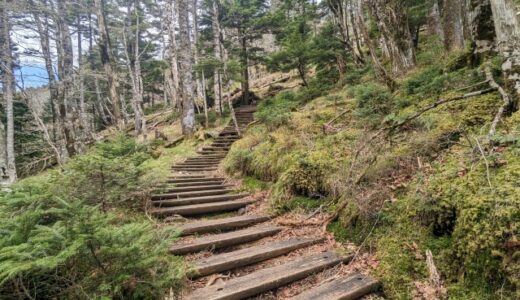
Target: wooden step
{"type": "Point", "coordinates": [268, 279]}
{"type": "Point", "coordinates": [195, 169]}
{"type": "Point", "coordinates": [199, 179]}
{"type": "Point", "coordinates": [348, 288]}
{"type": "Point", "coordinates": [198, 163]}
{"type": "Point", "coordinates": [198, 183]}
{"type": "Point", "coordinates": [197, 188]}
{"type": "Point", "coordinates": [226, 239]}
{"type": "Point", "coordinates": [216, 148]}
{"type": "Point", "coordinates": [248, 256]}
{"type": "Point", "coordinates": [188, 176]}
{"type": "Point", "coordinates": [190, 194]}
{"type": "Point", "coordinates": [198, 209]}
{"type": "Point", "coordinates": [221, 224]}
{"type": "Point", "coordinates": [198, 200]}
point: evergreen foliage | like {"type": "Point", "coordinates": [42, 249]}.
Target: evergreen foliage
{"type": "Point", "coordinates": [75, 233]}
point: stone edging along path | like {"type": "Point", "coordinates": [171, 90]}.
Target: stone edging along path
{"type": "Point", "coordinates": [236, 251]}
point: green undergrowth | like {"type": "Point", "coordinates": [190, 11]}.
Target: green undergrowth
{"type": "Point", "coordinates": [80, 232]}
{"type": "Point", "coordinates": [424, 186]}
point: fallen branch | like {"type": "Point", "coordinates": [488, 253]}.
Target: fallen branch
{"type": "Point", "coordinates": [501, 110]}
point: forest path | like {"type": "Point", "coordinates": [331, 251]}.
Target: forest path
{"type": "Point", "coordinates": [235, 250]}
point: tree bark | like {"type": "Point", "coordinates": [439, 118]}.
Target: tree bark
{"type": "Point", "coordinates": [173, 71]}
{"type": "Point", "coordinates": [217, 75]}
{"type": "Point", "coordinates": [453, 24]}
{"type": "Point", "coordinates": [482, 28]}
{"type": "Point", "coordinates": [186, 69]}
{"type": "Point", "coordinates": [85, 124]}
{"type": "Point", "coordinates": [108, 61]}
{"type": "Point", "coordinates": [434, 21]}
{"type": "Point", "coordinates": [392, 22]}
{"type": "Point", "coordinates": [507, 30]}
{"type": "Point", "coordinates": [8, 82]}
{"type": "Point", "coordinates": [65, 73]}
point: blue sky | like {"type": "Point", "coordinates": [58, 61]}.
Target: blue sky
{"type": "Point", "coordinates": [31, 76]}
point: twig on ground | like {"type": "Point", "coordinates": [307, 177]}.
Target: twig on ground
{"type": "Point", "coordinates": [488, 176]}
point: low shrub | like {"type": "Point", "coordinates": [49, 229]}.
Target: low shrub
{"type": "Point", "coordinates": [74, 233]}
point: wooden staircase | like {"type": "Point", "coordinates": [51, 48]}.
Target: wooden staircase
{"type": "Point", "coordinates": [197, 192]}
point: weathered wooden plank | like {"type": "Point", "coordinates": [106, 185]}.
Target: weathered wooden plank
{"type": "Point", "coordinates": [198, 200]}
{"type": "Point", "coordinates": [348, 288]}
{"type": "Point", "coordinates": [221, 224]}
{"type": "Point", "coordinates": [199, 179]}
{"type": "Point", "coordinates": [198, 209]}
{"type": "Point", "coordinates": [190, 194]}
{"type": "Point", "coordinates": [197, 188]}
{"type": "Point", "coordinates": [268, 279]}
{"type": "Point", "coordinates": [198, 183]}
{"type": "Point", "coordinates": [248, 256]}
{"type": "Point", "coordinates": [226, 239]}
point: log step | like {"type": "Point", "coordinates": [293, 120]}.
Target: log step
{"type": "Point", "coordinates": [196, 193]}
{"type": "Point", "coordinates": [348, 288]}
{"type": "Point", "coordinates": [197, 188]}
{"type": "Point", "coordinates": [226, 239]}
{"type": "Point", "coordinates": [198, 209]}
{"type": "Point", "coordinates": [248, 256]}
{"type": "Point", "coordinates": [268, 279]}
{"type": "Point", "coordinates": [221, 224]}
{"type": "Point", "coordinates": [198, 200]}
{"type": "Point", "coordinates": [199, 179]}
{"type": "Point", "coordinates": [198, 163]}
{"type": "Point", "coordinates": [198, 183]}
{"type": "Point", "coordinates": [194, 169]}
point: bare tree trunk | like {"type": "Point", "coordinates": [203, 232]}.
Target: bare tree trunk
{"type": "Point", "coordinates": [204, 99]}
{"type": "Point", "coordinates": [392, 22]}
{"type": "Point", "coordinates": [434, 21]}
{"type": "Point", "coordinates": [379, 68]}
{"type": "Point", "coordinates": [453, 24]}
{"type": "Point", "coordinates": [198, 80]}
{"type": "Point", "coordinates": [173, 72]}
{"type": "Point", "coordinates": [134, 67]}
{"type": "Point", "coordinates": [507, 30]}
{"type": "Point", "coordinates": [66, 73]}
{"type": "Point", "coordinates": [108, 61]}
{"type": "Point", "coordinates": [84, 119]}
{"type": "Point", "coordinates": [8, 82]}
{"type": "Point", "coordinates": [186, 69]}
{"type": "Point", "coordinates": [340, 10]}
{"type": "Point", "coordinates": [217, 76]}
{"type": "Point", "coordinates": [245, 67]}
{"type": "Point", "coordinates": [57, 124]}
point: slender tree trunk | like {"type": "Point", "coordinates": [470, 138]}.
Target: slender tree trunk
{"type": "Point", "coordinates": [57, 125]}
{"type": "Point", "coordinates": [381, 72]}
{"type": "Point", "coordinates": [453, 24]}
{"type": "Point", "coordinates": [8, 82]}
{"type": "Point", "coordinates": [186, 69]}
{"type": "Point", "coordinates": [204, 101]}
{"type": "Point", "coordinates": [195, 40]}
{"type": "Point", "coordinates": [217, 75]}
{"type": "Point", "coordinates": [173, 71]}
{"type": "Point", "coordinates": [85, 124]}
{"type": "Point", "coordinates": [66, 73]}
{"type": "Point", "coordinates": [108, 61]}
{"type": "Point", "coordinates": [392, 22]}
{"type": "Point", "coordinates": [245, 68]}
{"type": "Point", "coordinates": [507, 30]}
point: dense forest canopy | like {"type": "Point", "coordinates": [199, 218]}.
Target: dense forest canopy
{"type": "Point", "coordinates": [74, 73]}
